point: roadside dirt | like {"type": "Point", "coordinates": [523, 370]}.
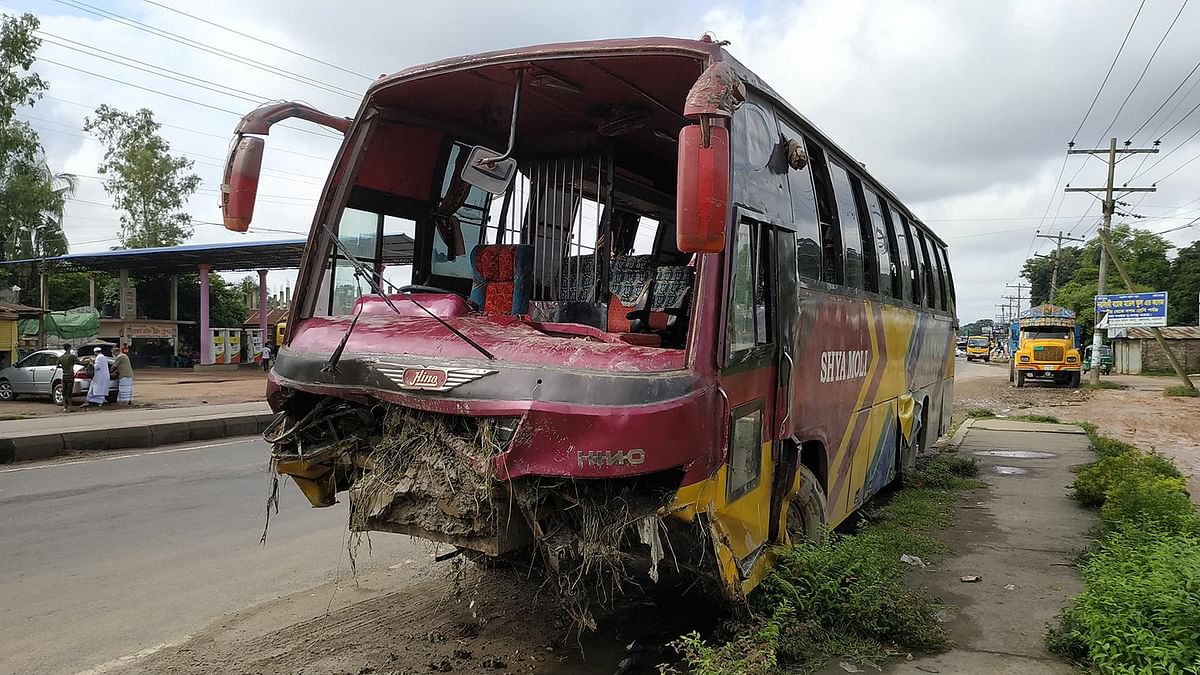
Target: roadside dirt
{"type": "Point", "coordinates": [1140, 414]}
{"type": "Point", "coordinates": [458, 619]}
{"type": "Point", "coordinates": [165, 388]}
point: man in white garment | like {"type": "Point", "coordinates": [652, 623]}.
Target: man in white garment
{"type": "Point", "coordinates": [98, 392]}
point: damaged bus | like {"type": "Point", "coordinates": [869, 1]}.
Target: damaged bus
{"type": "Point", "coordinates": [657, 321]}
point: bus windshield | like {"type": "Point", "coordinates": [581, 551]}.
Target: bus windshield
{"type": "Point", "coordinates": [978, 342]}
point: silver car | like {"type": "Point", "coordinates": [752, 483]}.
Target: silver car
{"type": "Point", "coordinates": [39, 375]}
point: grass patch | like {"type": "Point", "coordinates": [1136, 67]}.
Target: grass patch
{"type": "Point", "coordinates": [845, 597]}
{"type": "Point", "coordinates": [1044, 419]}
{"type": "Point", "coordinates": [1181, 390]}
{"type": "Point", "coordinates": [1140, 610]}
{"type": "Point", "coordinates": [980, 413]}
{"type": "Point", "coordinates": [1103, 384]}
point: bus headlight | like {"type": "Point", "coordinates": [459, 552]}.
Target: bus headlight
{"type": "Point", "coordinates": [1024, 359]}
{"type": "Point", "coordinates": [1071, 359]}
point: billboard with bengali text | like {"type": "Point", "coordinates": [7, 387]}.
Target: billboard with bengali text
{"type": "Point", "coordinates": [1132, 310]}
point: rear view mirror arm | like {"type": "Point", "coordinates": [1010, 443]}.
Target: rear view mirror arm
{"type": "Point", "coordinates": [512, 125]}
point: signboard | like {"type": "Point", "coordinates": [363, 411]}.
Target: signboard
{"type": "Point", "coordinates": [1131, 310]}
{"type": "Point", "coordinates": [129, 303]}
{"type": "Point", "coordinates": [149, 330]}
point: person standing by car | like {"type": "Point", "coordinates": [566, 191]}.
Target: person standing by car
{"type": "Point", "coordinates": [122, 370]}
{"type": "Point", "coordinates": [266, 357]}
{"type": "Point", "coordinates": [98, 392]}
{"type": "Point", "coordinates": [67, 363]}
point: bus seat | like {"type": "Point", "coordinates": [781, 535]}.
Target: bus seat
{"type": "Point", "coordinates": [669, 302]}
{"type": "Point", "coordinates": [628, 281]}
{"type": "Point", "coordinates": [502, 278]}
{"type": "Point", "coordinates": [577, 279]}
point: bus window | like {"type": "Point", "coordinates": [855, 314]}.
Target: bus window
{"type": "Point", "coordinates": [916, 270]}
{"type": "Point", "coordinates": [847, 213]}
{"type": "Point", "coordinates": [949, 277]}
{"type": "Point", "coordinates": [831, 239]}
{"type": "Point", "coordinates": [901, 245]}
{"type": "Point", "coordinates": [870, 254]}
{"type": "Point", "coordinates": [885, 245]}
{"type": "Point", "coordinates": [941, 274]}
{"type": "Point", "coordinates": [804, 212]}
{"type": "Point", "coordinates": [931, 289]}
{"type": "Point", "coordinates": [473, 204]}
{"type": "Point", "coordinates": [748, 323]}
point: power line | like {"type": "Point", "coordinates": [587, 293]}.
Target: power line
{"type": "Point", "coordinates": [1108, 74]}
{"type": "Point", "coordinates": [174, 37]}
{"type": "Point", "coordinates": [1154, 53]}
{"type": "Point", "coordinates": [179, 98]}
{"type": "Point", "coordinates": [258, 39]}
{"type": "Point", "coordinates": [1166, 101]}
{"type": "Point", "coordinates": [150, 68]}
{"type": "Point", "coordinates": [1168, 154]}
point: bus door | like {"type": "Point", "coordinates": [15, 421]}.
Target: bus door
{"type": "Point", "coordinates": [757, 365]}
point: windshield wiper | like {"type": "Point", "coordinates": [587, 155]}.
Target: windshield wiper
{"type": "Point", "coordinates": [363, 272]}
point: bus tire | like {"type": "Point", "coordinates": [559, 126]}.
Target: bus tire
{"type": "Point", "coordinates": [1074, 381]}
{"type": "Point", "coordinates": [806, 515]}
{"type": "Point", "coordinates": [1020, 378]}
{"type": "Point", "coordinates": [1012, 372]}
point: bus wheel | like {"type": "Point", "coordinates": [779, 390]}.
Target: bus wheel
{"type": "Point", "coordinates": [806, 513]}
{"type": "Point", "coordinates": [1012, 372]}
{"type": "Point", "coordinates": [1020, 379]}
{"type": "Point", "coordinates": [1074, 381]}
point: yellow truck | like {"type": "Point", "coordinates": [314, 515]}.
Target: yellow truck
{"type": "Point", "coordinates": [979, 347]}
{"type": "Point", "coordinates": [1046, 346]}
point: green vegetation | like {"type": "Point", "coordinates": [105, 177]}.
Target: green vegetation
{"type": "Point", "coordinates": [1181, 390]}
{"type": "Point", "coordinates": [1044, 419]}
{"type": "Point", "coordinates": [845, 597]}
{"type": "Point", "coordinates": [980, 413]}
{"type": "Point", "coordinates": [1103, 384]}
{"type": "Point", "coordinates": [1140, 608]}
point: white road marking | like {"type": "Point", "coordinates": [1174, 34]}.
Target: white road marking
{"type": "Point", "coordinates": [129, 658]}
{"type": "Point", "coordinates": [111, 458]}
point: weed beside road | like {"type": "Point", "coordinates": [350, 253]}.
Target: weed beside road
{"type": "Point", "coordinates": [846, 597]}
{"type": "Point", "coordinates": [1181, 390]}
{"type": "Point", "coordinates": [1140, 610]}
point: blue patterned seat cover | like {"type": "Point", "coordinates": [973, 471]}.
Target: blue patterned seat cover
{"type": "Point", "coordinates": [671, 287]}
{"type": "Point", "coordinates": [629, 277]}
{"type": "Point", "coordinates": [578, 279]}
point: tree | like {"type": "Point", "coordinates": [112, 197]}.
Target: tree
{"type": "Point", "coordinates": [143, 178]}
{"type": "Point", "coordinates": [1185, 285]}
{"type": "Point", "coordinates": [32, 197]}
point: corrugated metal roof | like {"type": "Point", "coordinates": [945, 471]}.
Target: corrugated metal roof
{"type": "Point", "coordinates": [274, 316]}
{"type": "Point", "coordinates": [1169, 332]}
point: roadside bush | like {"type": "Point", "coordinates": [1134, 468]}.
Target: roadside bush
{"type": "Point", "coordinates": [1150, 503]}
{"type": "Point", "coordinates": [1180, 390]}
{"type": "Point", "coordinates": [944, 472]}
{"type": "Point", "coordinates": [1047, 419]}
{"type": "Point", "coordinates": [1094, 481]}
{"type": "Point", "coordinates": [980, 413]}
{"type": "Point", "coordinates": [1141, 610]}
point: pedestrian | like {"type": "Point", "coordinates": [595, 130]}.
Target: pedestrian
{"type": "Point", "coordinates": [266, 357]}
{"type": "Point", "coordinates": [122, 369]}
{"type": "Point", "coordinates": [67, 363]}
{"type": "Point", "coordinates": [98, 392]}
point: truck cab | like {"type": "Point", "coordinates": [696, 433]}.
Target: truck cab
{"type": "Point", "coordinates": [1047, 347]}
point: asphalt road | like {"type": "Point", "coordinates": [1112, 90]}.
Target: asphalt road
{"type": "Point", "coordinates": [107, 558]}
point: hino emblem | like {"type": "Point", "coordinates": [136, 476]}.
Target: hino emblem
{"type": "Point", "coordinates": [631, 457]}
{"type": "Point", "coordinates": [427, 378]}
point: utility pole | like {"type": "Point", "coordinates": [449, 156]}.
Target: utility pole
{"type": "Point", "coordinates": [1109, 204]}
{"type": "Point", "coordinates": [1020, 289]}
{"type": "Point", "coordinates": [1057, 252]}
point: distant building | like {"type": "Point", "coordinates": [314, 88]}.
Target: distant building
{"type": "Point", "coordinates": [1135, 350]}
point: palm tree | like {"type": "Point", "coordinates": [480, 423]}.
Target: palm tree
{"type": "Point", "coordinates": [49, 237]}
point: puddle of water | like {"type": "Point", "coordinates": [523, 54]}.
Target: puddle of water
{"type": "Point", "coordinates": [1009, 470]}
{"type": "Point", "coordinates": [1017, 454]}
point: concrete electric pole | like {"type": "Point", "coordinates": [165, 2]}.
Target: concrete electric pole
{"type": "Point", "coordinates": [1109, 203]}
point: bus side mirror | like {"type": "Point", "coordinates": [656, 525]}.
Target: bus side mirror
{"type": "Point", "coordinates": [240, 185]}
{"type": "Point", "coordinates": [702, 191]}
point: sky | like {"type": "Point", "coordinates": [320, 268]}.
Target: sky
{"type": "Point", "coordinates": [963, 109]}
